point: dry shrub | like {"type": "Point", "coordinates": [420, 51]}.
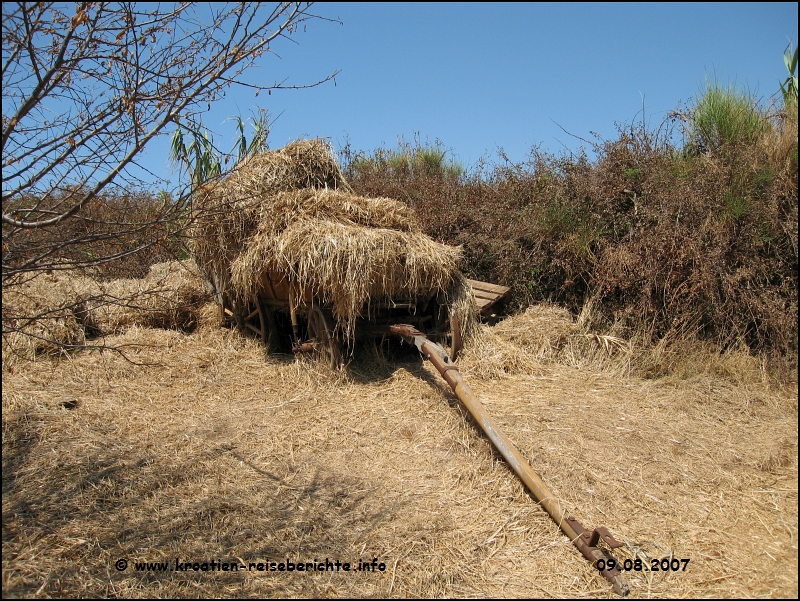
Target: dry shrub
{"type": "Point", "coordinates": [666, 241]}
{"type": "Point", "coordinates": [688, 358]}
{"type": "Point", "coordinates": [780, 142]}
{"type": "Point", "coordinates": [112, 224]}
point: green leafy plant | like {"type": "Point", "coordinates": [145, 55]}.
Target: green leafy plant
{"type": "Point", "coordinates": [789, 87]}
{"type": "Point", "coordinates": [559, 218]}
{"type": "Point", "coordinates": [201, 158]}
{"type": "Point", "coordinates": [736, 205]}
{"type": "Point", "coordinates": [258, 143]}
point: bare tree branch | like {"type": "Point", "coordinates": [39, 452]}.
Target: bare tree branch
{"type": "Point", "coordinates": [149, 75]}
{"type": "Point", "coordinates": [85, 92]}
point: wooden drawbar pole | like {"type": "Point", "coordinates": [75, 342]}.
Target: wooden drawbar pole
{"type": "Point", "coordinates": [585, 541]}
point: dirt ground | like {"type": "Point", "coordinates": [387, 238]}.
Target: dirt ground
{"type": "Point", "coordinates": [207, 452]}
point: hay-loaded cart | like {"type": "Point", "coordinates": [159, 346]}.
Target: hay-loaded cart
{"type": "Point", "coordinates": [283, 316]}
{"type": "Point", "coordinates": [296, 258]}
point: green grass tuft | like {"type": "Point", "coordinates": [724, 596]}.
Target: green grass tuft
{"type": "Point", "coordinates": [725, 117]}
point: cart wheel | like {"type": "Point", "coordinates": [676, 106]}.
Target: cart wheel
{"type": "Point", "coordinates": [258, 320]}
{"type": "Point", "coordinates": [321, 335]}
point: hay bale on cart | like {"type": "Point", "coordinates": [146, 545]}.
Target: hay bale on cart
{"type": "Point", "coordinates": [226, 213]}
{"type": "Point", "coordinates": [295, 257]}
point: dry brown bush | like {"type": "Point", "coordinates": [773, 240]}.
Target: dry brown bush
{"type": "Point", "coordinates": [666, 244]}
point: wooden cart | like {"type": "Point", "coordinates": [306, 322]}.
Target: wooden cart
{"type": "Point", "coordinates": [287, 319]}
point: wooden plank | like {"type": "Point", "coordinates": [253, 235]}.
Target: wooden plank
{"type": "Point", "coordinates": [487, 295]}
{"type": "Point", "coordinates": [496, 288]}
{"type": "Point", "coordinates": [271, 302]}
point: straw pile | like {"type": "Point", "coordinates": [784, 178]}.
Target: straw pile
{"type": "Point", "coordinates": [64, 309]}
{"type": "Point", "coordinates": [519, 343]}
{"type": "Point", "coordinates": [291, 212]}
{"type": "Point", "coordinates": [547, 333]}
{"type": "Point", "coordinates": [45, 313]}
{"type": "Point", "coordinates": [168, 297]}
{"type": "Point", "coordinates": [227, 213]}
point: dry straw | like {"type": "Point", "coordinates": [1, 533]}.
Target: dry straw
{"type": "Point", "coordinates": [211, 452]}
{"type": "Point", "coordinates": [290, 213]}
{"type": "Point", "coordinates": [44, 313]}
{"type": "Point", "coordinates": [62, 310]}
{"type": "Point", "coordinates": [168, 297]}
{"type": "Point", "coordinates": [520, 343]}
{"type": "Point", "coordinates": [226, 212]}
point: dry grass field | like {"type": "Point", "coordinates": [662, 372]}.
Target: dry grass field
{"type": "Point", "coordinates": [149, 452]}
{"type": "Point", "coordinates": [197, 447]}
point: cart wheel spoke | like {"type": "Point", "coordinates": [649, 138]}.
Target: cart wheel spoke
{"type": "Point", "coordinates": [321, 335]}
{"type": "Point", "coordinates": [254, 318]}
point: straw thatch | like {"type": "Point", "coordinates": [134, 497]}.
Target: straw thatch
{"type": "Point", "coordinates": [290, 212]}
{"type": "Point", "coordinates": [227, 212]}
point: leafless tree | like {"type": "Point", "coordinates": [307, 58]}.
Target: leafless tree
{"type": "Point", "coordinates": [85, 92]}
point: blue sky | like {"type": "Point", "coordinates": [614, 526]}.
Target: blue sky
{"type": "Point", "coordinates": [485, 76]}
